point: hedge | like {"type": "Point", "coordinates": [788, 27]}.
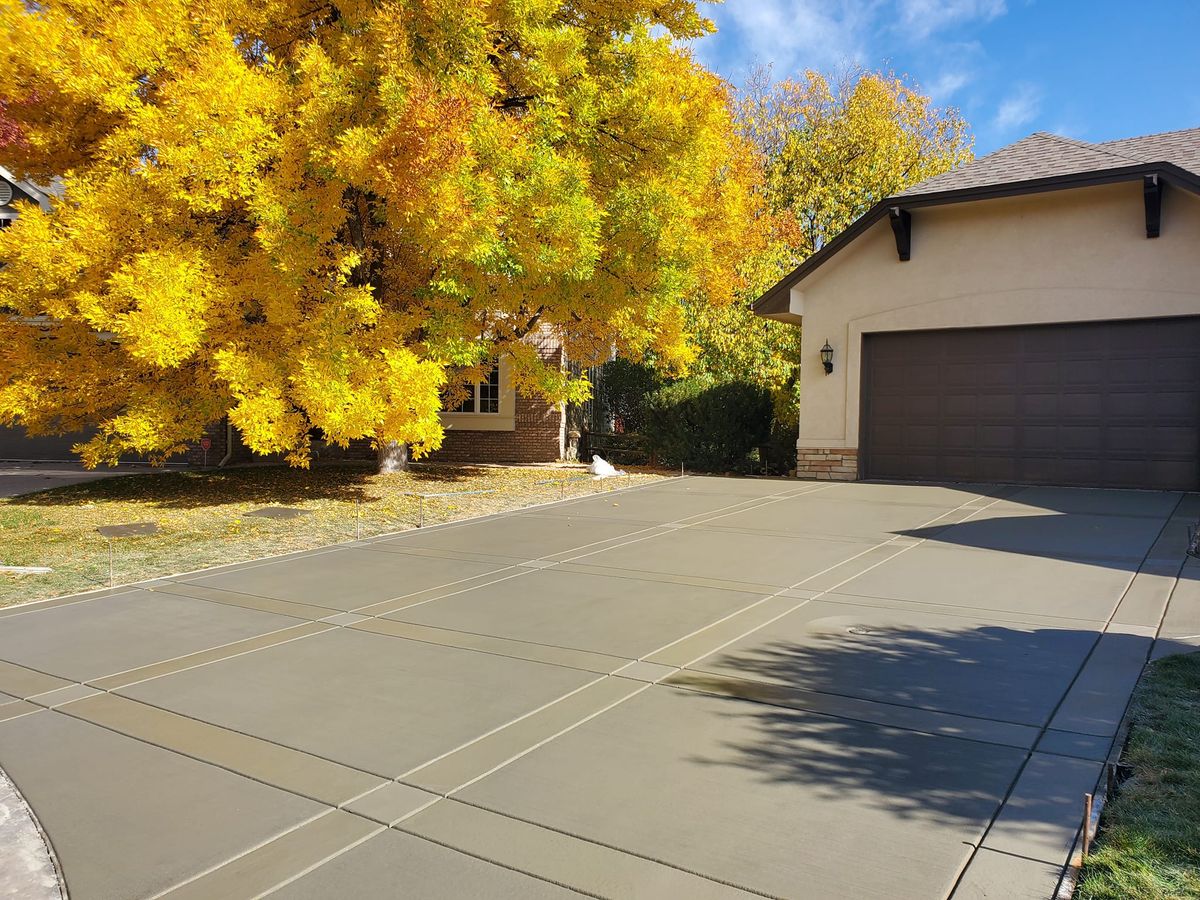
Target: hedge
{"type": "Point", "coordinates": [706, 425]}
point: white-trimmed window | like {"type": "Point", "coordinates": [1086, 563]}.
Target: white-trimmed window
{"type": "Point", "coordinates": [483, 397]}
{"type": "Point", "coordinates": [490, 404]}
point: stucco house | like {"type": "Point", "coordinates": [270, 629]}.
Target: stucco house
{"type": "Point", "coordinates": [496, 424]}
{"type": "Point", "coordinates": [1033, 317]}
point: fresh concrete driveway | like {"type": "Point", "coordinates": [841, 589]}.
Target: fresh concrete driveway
{"type": "Point", "coordinates": [701, 688]}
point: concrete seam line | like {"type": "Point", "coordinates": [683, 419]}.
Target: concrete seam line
{"type": "Point", "coordinates": [208, 662]}
{"type": "Point", "coordinates": [797, 586]}
{"type": "Point", "coordinates": [846, 717]}
{"type": "Point", "coordinates": [598, 843]}
{"type": "Point", "coordinates": [257, 846]}
{"type": "Point", "coordinates": [266, 843]}
{"type": "Point", "coordinates": [171, 659]}
{"type": "Point", "coordinates": [301, 637]}
{"type": "Point", "coordinates": [975, 848]}
{"type": "Point", "coordinates": [546, 740]}
{"type": "Point", "coordinates": [498, 728]}
{"type": "Point", "coordinates": [660, 649]}
{"type": "Point", "coordinates": [125, 588]}
{"type": "Point", "coordinates": [499, 864]}
{"type": "Point", "coordinates": [523, 571]}
{"type": "Point", "coordinates": [186, 754]}
{"type": "Point", "coordinates": [328, 858]}
{"type": "Point", "coordinates": [1069, 879]}
{"type": "Point", "coordinates": [714, 514]}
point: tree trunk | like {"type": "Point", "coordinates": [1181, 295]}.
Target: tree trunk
{"type": "Point", "coordinates": [393, 457]}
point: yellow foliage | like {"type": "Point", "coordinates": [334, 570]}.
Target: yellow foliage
{"type": "Point", "coordinates": [828, 150]}
{"type": "Point", "coordinates": [300, 215]}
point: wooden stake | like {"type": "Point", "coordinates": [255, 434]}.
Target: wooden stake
{"type": "Point", "coordinates": [1087, 824]}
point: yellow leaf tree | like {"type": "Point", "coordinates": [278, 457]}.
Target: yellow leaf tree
{"type": "Point", "coordinates": [829, 150]}
{"type": "Point", "coordinates": [306, 214]}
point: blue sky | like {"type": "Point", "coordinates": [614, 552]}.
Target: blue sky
{"type": "Point", "coordinates": [1095, 70]}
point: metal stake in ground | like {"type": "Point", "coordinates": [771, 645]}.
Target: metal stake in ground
{"type": "Point", "coordinates": [128, 529]}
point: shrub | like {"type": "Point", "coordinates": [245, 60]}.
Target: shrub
{"type": "Point", "coordinates": [781, 448]}
{"type": "Point", "coordinates": [621, 388]}
{"type": "Point", "coordinates": [708, 425]}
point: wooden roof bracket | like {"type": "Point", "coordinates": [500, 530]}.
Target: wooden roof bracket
{"type": "Point", "coordinates": [1152, 191]}
{"type": "Point", "coordinates": [901, 220]}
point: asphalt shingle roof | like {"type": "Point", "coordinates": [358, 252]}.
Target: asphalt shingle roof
{"type": "Point", "coordinates": [1043, 155]}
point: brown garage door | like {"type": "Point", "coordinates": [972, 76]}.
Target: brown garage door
{"type": "Point", "coordinates": [1114, 404]}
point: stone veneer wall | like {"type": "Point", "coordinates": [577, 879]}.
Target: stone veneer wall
{"type": "Point", "coordinates": [840, 464]}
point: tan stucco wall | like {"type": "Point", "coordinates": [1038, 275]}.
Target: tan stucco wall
{"type": "Point", "coordinates": [1065, 256]}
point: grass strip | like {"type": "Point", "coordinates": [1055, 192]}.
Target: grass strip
{"type": "Point", "coordinates": [1149, 842]}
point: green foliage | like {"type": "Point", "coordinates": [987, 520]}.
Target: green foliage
{"type": "Point", "coordinates": [1149, 844]}
{"type": "Point", "coordinates": [785, 423]}
{"type": "Point", "coordinates": [828, 149]}
{"type": "Point", "coordinates": [622, 387]}
{"type": "Point", "coordinates": [708, 425]}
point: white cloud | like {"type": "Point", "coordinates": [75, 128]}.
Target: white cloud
{"type": "Point", "coordinates": [793, 34]}
{"type": "Point", "coordinates": [921, 18]}
{"type": "Point", "coordinates": [1018, 108]}
{"type": "Point", "coordinates": [827, 35]}
{"type": "Point", "coordinates": [947, 84]}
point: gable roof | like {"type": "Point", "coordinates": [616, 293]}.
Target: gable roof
{"type": "Point", "coordinates": [41, 196]}
{"type": "Point", "coordinates": [1040, 162]}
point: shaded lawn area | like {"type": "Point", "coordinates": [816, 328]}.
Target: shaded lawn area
{"type": "Point", "coordinates": [202, 516]}
{"type": "Point", "coordinates": [1149, 843]}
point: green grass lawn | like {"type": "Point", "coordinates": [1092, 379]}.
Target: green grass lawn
{"type": "Point", "coordinates": [1149, 843]}
{"type": "Point", "coordinates": [202, 521]}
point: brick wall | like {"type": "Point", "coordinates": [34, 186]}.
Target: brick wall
{"type": "Point", "coordinates": [539, 435]}
{"type": "Point", "coordinates": [196, 456]}
{"type": "Point", "coordinates": [839, 464]}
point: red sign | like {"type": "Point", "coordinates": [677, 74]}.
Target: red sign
{"type": "Point", "coordinates": [205, 443]}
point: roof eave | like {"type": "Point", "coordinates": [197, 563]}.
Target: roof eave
{"type": "Point", "coordinates": [775, 300]}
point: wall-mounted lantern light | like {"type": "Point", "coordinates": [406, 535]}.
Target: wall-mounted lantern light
{"type": "Point", "coordinates": [827, 358]}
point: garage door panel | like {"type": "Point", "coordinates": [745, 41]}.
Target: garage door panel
{"type": "Point", "coordinates": [1085, 372]}
{"type": "Point", "coordinates": [1180, 370]}
{"type": "Point", "coordinates": [996, 468]}
{"type": "Point", "coordinates": [1181, 404]}
{"type": "Point", "coordinates": [959, 437]}
{"type": "Point", "coordinates": [1073, 404]}
{"type": "Point", "coordinates": [921, 406]}
{"type": "Point", "coordinates": [1104, 403]}
{"type": "Point", "coordinates": [1073, 439]}
{"type": "Point", "coordinates": [988, 406]}
{"type": "Point", "coordinates": [996, 437]}
{"type": "Point", "coordinates": [1039, 405]}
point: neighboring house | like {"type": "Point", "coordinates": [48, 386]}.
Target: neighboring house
{"type": "Point", "coordinates": [1033, 317]}
{"type": "Point", "coordinates": [14, 444]}
{"type": "Point", "coordinates": [497, 424]}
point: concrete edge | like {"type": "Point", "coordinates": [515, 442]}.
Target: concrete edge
{"type": "Point", "coordinates": [95, 593]}
{"type": "Point", "coordinates": [1074, 866]}
{"type": "Point", "coordinates": [30, 868]}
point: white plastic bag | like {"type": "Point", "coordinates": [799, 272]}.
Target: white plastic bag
{"type": "Point", "coordinates": [602, 468]}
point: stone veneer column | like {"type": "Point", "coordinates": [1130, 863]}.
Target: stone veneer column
{"type": "Point", "coordinates": [824, 464]}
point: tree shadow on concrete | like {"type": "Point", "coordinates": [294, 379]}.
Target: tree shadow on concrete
{"type": "Point", "coordinates": [1110, 528]}
{"type": "Point", "coordinates": [260, 484]}
{"type": "Point", "coordinates": [916, 767]}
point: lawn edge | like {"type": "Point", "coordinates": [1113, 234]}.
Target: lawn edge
{"type": "Point", "coordinates": [94, 593]}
